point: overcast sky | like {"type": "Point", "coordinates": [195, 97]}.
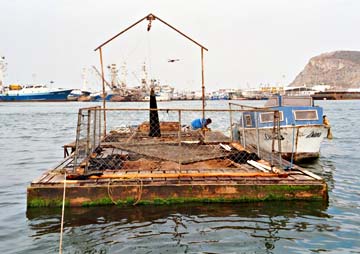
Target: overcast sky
{"type": "Point", "coordinates": [250, 42]}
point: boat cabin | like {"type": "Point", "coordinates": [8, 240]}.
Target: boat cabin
{"type": "Point", "coordinates": [292, 111]}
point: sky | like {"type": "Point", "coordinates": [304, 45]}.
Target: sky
{"type": "Point", "coordinates": [250, 42]}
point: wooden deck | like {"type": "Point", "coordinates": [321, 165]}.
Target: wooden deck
{"type": "Point", "coordinates": [166, 171]}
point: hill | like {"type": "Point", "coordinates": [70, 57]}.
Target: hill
{"type": "Point", "coordinates": [339, 70]}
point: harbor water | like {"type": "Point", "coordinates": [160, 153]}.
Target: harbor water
{"type": "Point", "coordinates": [30, 143]}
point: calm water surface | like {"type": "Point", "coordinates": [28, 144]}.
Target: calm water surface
{"type": "Point", "coordinates": [30, 142]}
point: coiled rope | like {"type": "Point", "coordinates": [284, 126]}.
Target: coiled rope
{"type": "Point", "coordinates": [109, 191]}
{"type": "Point", "coordinates": [139, 191]}
{"type": "Point", "coordinates": [138, 196]}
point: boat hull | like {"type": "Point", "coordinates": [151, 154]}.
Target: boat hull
{"type": "Point", "coordinates": [46, 96]}
{"type": "Point", "coordinates": [298, 143]}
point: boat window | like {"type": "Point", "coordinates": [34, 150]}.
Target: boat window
{"type": "Point", "coordinates": [38, 86]}
{"type": "Point", "coordinates": [306, 115]}
{"type": "Point", "coordinates": [269, 117]}
{"type": "Point", "coordinates": [248, 120]}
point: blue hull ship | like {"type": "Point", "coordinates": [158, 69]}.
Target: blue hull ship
{"type": "Point", "coordinates": [33, 93]}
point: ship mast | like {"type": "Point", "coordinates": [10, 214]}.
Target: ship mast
{"type": "Point", "coordinates": [3, 68]}
{"type": "Point", "coordinates": [123, 76]}
{"type": "Point", "coordinates": [114, 80]}
{"type": "Point", "coordinates": [84, 80]}
{"type": "Point", "coordinates": [144, 82]}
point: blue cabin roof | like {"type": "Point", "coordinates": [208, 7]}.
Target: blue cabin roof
{"type": "Point", "coordinates": [302, 112]}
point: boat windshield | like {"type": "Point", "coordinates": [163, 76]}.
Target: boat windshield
{"type": "Point", "coordinates": [289, 101]}
{"type": "Point", "coordinates": [297, 101]}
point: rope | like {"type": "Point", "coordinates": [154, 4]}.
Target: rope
{"type": "Point", "coordinates": [62, 216]}
{"type": "Point", "coordinates": [139, 191]}
{"type": "Point", "coordinates": [109, 191]}
{"type": "Point", "coordinates": [149, 53]}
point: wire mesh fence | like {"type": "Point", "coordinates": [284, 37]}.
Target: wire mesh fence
{"type": "Point", "coordinates": [259, 129]}
{"type": "Point", "coordinates": [161, 139]}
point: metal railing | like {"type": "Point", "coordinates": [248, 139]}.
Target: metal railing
{"type": "Point", "coordinates": [125, 141]}
{"type": "Point", "coordinates": [272, 132]}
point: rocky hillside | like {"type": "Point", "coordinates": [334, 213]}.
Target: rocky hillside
{"type": "Point", "coordinates": [339, 70]}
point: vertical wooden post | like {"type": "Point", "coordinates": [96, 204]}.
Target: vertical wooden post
{"type": "Point", "coordinates": [103, 88]}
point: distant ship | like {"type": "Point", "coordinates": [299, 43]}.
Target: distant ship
{"type": "Point", "coordinates": [350, 94]}
{"type": "Point", "coordinates": [17, 92]}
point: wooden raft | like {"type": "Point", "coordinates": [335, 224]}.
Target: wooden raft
{"type": "Point", "coordinates": [163, 171]}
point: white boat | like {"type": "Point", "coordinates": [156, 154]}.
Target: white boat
{"type": "Point", "coordinates": [297, 134]}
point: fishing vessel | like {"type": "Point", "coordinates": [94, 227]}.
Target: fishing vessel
{"type": "Point", "coordinates": [300, 127]}
{"type": "Point", "coordinates": [38, 92]}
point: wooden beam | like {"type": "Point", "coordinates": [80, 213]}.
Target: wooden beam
{"type": "Point", "coordinates": [180, 175]}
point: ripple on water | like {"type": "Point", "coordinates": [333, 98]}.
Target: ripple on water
{"type": "Point", "coordinates": [32, 142]}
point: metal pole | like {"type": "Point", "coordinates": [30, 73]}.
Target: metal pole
{"type": "Point", "coordinates": [202, 81]}
{"type": "Point", "coordinates": [103, 88]}
{"type": "Point", "coordinates": [202, 84]}
{"type": "Point", "coordinates": [94, 131]}
{"type": "Point", "coordinates": [257, 133]}
{"type": "Point", "coordinates": [279, 140]}
{"type": "Point", "coordinates": [77, 141]}
{"type": "Point", "coordinates": [201, 46]}
{"type": "Point", "coordinates": [273, 136]}
{"type": "Point", "coordinates": [179, 133]}
{"type": "Point", "coordinates": [243, 129]}
{"type": "Point", "coordinates": [179, 162]}
{"type": "Point", "coordinates": [99, 124]}
{"type": "Point", "coordinates": [88, 151]}
{"type": "Point", "coordinates": [150, 17]}
{"type": "Point", "coordinates": [112, 38]}
{"type": "Point", "coordinates": [231, 130]}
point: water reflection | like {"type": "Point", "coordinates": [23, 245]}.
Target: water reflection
{"type": "Point", "coordinates": [324, 168]}
{"type": "Point", "coordinates": [181, 228]}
